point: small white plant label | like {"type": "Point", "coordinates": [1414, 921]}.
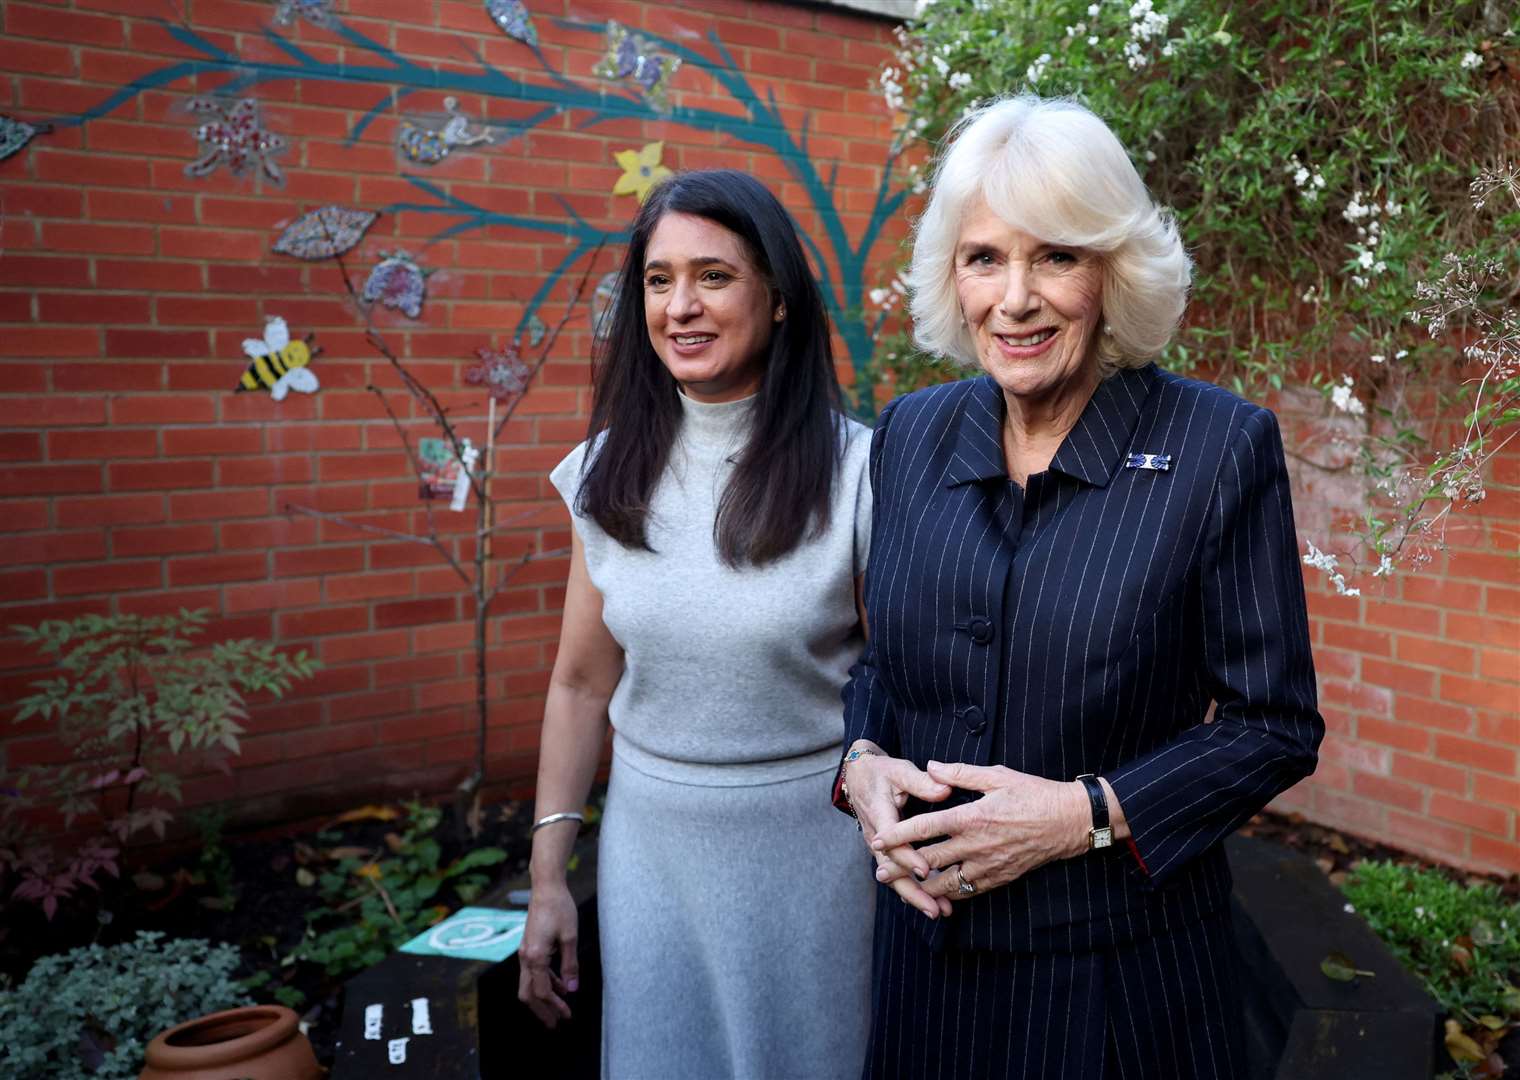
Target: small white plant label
{"type": "Point", "coordinates": [374, 1015]}
{"type": "Point", "coordinates": [396, 1049]}
{"type": "Point", "coordinates": [422, 1023]}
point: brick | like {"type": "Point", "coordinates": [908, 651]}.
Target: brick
{"type": "Point", "coordinates": [1500, 727]}
{"type": "Point", "coordinates": [215, 441]}
{"type": "Point", "coordinates": [163, 409]}
{"type": "Point", "coordinates": [1400, 736]}
{"type": "Point", "coordinates": [321, 622]}
{"type": "Point", "coordinates": [1390, 792]}
{"type": "Point", "coordinates": [1400, 677]}
{"type": "Point", "coordinates": [328, 741]}
{"type": "Point", "coordinates": [1447, 842]}
{"type": "Point", "coordinates": [1499, 790]}
{"type": "Point", "coordinates": [346, 648]}
{"type": "Point", "coordinates": [53, 479]}
{"type": "Point", "coordinates": [160, 475]}
{"type": "Point", "coordinates": [1410, 617]}
{"type": "Point", "coordinates": [214, 569]}
{"type": "Point", "coordinates": [415, 612]}
{"type": "Point", "coordinates": [328, 559]}
{"type": "Point", "coordinates": [110, 577]}
{"type": "Point", "coordinates": [1488, 819]}
{"type": "Point", "coordinates": [1356, 639]}
{"type": "Point", "coordinates": [33, 342]}
{"type": "Point", "coordinates": [1478, 755]}
{"type": "Point", "coordinates": [216, 505]}
{"type": "Point", "coordinates": [162, 540]}
{"type": "Point", "coordinates": [1484, 694]}
{"type": "Point", "coordinates": [1437, 654]}
{"type": "Point", "coordinates": [111, 510]}
{"type": "Point", "coordinates": [81, 377]}
{"type": "Point", "coordinates": [1501, 855]}
{"type": "Point", "coordinates": [55, 547]}
{"type": "Point", "coordinates": [1440, 715]}
{"type": "Point", "coordinates": [1430, 774]}
{"type": "Point", "coordinates": [271, 595]}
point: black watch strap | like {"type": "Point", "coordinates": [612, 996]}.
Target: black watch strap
{"type": "Point", "coordinates": [1098, 799]}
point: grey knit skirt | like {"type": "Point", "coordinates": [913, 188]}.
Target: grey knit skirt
{"type": "Point", "coordinates": [735, 930]}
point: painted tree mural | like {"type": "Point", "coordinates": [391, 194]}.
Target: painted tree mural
{"type": "Point", "coordinates": [633, 81]}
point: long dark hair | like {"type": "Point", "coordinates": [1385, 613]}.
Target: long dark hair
{"type": "Point", "coordinates": [782, 480]}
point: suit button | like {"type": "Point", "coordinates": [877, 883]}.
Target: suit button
{"type": "Point", "coordinates": [973, 718]}
{"type": "Point", "coordinates": [981, 630]}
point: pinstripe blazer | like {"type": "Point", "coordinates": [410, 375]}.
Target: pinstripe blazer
{"type": "Point", "coordinates": [1083, 624]}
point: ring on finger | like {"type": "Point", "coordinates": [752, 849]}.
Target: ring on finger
{"type": "Point", "coordinates": [965, 887]}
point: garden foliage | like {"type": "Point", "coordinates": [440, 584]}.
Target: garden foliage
{"type": "Point", "coordinates": [135, 699]}
{"type": "Point", "coordinates": [374, 903]}
{"type": "Point", "coordinates": [89, 1014]}
{"type": "Point", "coordinates": [1320, 157]}
{"type": "Point", "coordinates": [1461, 942]}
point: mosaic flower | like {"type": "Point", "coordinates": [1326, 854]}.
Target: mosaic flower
{"type": "Point", "coordinates": [235, 138]}
{"type": "Point", "coordinates": [641, 170]}
{"type": "Point", "coordinates": [398, 283]}
{"type": "Point", "coordinates": [316, 12]}
{"type": "Point", "coordinates": [603, 299]}
{"type": "Point", "coordinates": [513, 19]}
{"type": "Point", "coordinates": [15, 134]}
{"type": "Point", "coordinates": [502, 371]}
{"type": "Point", "coordinates": [429, 146]}
{"type": "Point", "coordinates": [629, 56]}
{"type": "Point", "coordinates": [326, 232]}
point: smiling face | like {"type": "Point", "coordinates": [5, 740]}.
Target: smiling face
{"type": "Point", "coordinates": [708, 306]}
{"type": "Point", "coordinates": [1033, 308]}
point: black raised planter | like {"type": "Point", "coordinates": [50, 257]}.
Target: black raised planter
{"type": "Point", "coordinates": [479, 1030]}
{"type": "Point", "coordinates": [1301, 1024]}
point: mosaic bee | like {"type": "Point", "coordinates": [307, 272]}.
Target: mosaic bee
{"type": "Point", "coordinates": [279, 365]}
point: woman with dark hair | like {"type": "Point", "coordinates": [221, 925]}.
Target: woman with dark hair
{"type": "Point", "coordinates": [721, 521]}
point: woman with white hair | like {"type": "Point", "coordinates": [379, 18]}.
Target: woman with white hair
{"type": "Point", "coordinates": [1073, 557]}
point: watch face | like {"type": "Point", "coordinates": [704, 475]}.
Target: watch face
{"type": "Point", "coordinates": [1101, 838]}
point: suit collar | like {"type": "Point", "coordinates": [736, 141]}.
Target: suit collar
{"type": "Point", "coordinates": [1092, 450]}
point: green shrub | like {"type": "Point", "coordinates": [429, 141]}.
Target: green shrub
{"type": "Point", "coordinates": [376, 904]}
{"type": "Point", "coordinates": [90, 1013]}
{"type": "Point", "coordinates": [1461, 942]}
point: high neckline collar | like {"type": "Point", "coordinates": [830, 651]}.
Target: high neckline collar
{"type": "Point", "coordinates": [703, 422]}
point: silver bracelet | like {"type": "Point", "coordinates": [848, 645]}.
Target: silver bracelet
{"type": "Point", "coordinates": [566, 815]}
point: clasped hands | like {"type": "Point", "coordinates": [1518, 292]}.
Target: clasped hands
{"type": "Point", "coordinates": [1021, 822]}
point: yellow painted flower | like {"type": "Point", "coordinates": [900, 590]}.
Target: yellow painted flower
{"type": "Point", "coordinates": [641, 170]}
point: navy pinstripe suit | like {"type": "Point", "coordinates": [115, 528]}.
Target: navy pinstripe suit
{"type": "Point", "coordinates": [1083, 624]}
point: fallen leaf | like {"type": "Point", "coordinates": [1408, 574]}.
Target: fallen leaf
{"type": "Point", "coordinates": [369, 870]}
{"type": "Point", "coordinates": [305, 878]}
{"type": "Point", "coordinates": [349, 851]}
{"type": "Point", "coordinates": [1462, 958]}
{"type": "Point", "coordinates": [1325, 863]}
{"type": "Point", "coordinates": [147, 881]}
{"type": "Point", "coordinates": [368, 813]}
{"type": "Point", "coordinates": [1493, 1023]}
{"type": "Point", "coordinates": [1342, 968]}
{"type": "Point", "coordinates": [1337, 843]}
{"type": "Point", "coordinates": [394, 842]}
{"type": "Point", "coordinates": [1483, 933]}
{"type": "Point", "coordinates": [1512, 1001]}
{"type": "Point", "coordinates": [1462, 1048]}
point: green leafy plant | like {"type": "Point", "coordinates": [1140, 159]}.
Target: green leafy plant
{"type": "Point", "coordinates": [379, 901]}
{"type": "Point", "coordinates": [1461, 941]}
{"type": "Point", "coordinates": [1321, 160]}
{"type": "Point", "coordinates": [135, 695]}
{"type": "Point", "coordinates": [88, 1014]}
{"type": "Point", "coordinates": [214, 863]}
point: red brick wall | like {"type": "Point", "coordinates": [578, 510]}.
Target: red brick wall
{"type": "Point", "coordinates": [138, 482]}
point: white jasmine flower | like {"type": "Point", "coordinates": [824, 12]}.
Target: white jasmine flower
{"type": "Point", "coordinates": [1349, 909]}
{"type": "Point", "coordinates": [1471, 61]}
{"type": "Point", "coordinates": [879, 297]}
{"type": "Point", "coordinates": [1419, 913]}
{"type": "Point", "coordinates": [1401, 354]}
{"type": "Point", "coordinates": [1037, 68]}
{"type": "Point", "coordinates": [1320, 560]}
{"type": "Point", "coordinates": [1093, 40]}
{"type": "Point", "coordinates": [1092, 10]}
{"type": "Point", "coordinates": [1365, 260]}
{"type": "Point", "coordinates": [1150, 155]}
{"type": "Point", "coordinates": [1344, 400]}
{"type": "Point", "coordinates": [1385, 569]}
{"type": "Point", "coordinates": [941, 65]}
{"type": "Point", "coordinates": [1377, 358]}
{"type": "Point", "coordinates": [959, 80]}
{"type": "Point", "coordinates": [1167, 50]}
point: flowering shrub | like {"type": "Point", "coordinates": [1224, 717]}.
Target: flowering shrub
{"type": "Point", "coordinates": [134, 694]}
{"type": "Point", "coordinates": [1320, 160]}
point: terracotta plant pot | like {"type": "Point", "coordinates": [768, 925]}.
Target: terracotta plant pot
{"type": "Point", "coordinates": [257, 1042]}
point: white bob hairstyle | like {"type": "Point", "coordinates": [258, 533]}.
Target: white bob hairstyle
{"type": "Point", "coordinates": [1052, 169]}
